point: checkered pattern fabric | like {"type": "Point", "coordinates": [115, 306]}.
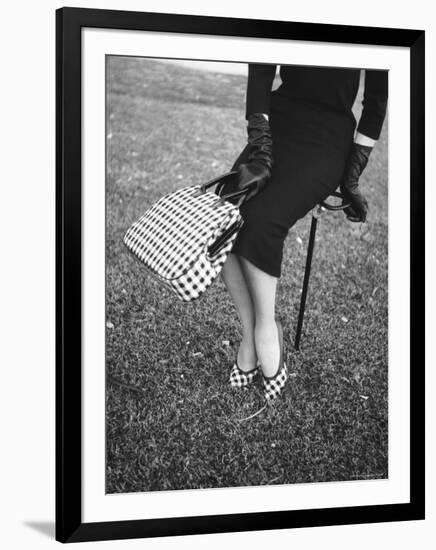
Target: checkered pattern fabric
{"type": "Point", "coordinates": [240, 379]}
{"type": "Point", "coordinates": [273, 386]}
{"type": "Point", "coordinates": [173, 237]}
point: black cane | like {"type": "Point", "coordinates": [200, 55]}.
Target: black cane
{"type": "Point", "coordinates": [310, 247]}
{"type": "Point", "coordinates": [309, 255]}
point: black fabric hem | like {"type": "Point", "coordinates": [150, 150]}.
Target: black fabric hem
{"type": "Point", "coordinates": [256, 262]}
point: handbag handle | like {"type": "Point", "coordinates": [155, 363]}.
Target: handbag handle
{"type": "Point", "coordinates": [221, 180]}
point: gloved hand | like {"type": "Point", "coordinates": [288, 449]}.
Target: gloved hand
{"type": "Point", "coordinates": [356, 162]}
{"type": "Point", "coordinates": [256, 171]}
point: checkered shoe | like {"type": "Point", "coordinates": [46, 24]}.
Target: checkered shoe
{"type": "Point", "coordinates": [274, 385]}
{"type": "Point", "coordinates": [241, 379]}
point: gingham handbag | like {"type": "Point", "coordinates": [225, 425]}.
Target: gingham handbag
{"type": "Point", "coordinates": [185, 237]}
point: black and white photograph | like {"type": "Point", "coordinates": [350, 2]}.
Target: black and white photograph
{"type": "Point", "coordinates": [246, 274]}
{"type": "Point", "coordinates": [240, 246]}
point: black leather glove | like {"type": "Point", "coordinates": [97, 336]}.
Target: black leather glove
{"type": "Point", "coordinates": [256, 171]}
{"type": "Point", "coordinates": [356, 162]}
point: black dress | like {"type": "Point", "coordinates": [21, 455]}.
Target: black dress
{"type": "Point", "coordinates": [312, 128]}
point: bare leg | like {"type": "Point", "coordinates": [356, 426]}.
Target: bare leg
{"type": "Point", "coordinates": [234, 280]}
{"type": "Point", "coordinates": [262, 287]}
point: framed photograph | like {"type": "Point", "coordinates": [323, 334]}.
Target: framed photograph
{"type": "Point", "coordinates": [240, 274]}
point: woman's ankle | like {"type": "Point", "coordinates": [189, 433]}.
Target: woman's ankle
{"type": "Point", "coordinates": [247, 357]}
{"type": "Point", "coordinates": [268, 346]}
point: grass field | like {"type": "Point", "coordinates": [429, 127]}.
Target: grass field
{"type": "Point", "coordinates": [176, 424]}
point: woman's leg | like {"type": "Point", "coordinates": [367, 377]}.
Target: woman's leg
{"type": "Point", "coordinates": [262, 287]}
{"type": "Point", "coordinates": [234, 280]}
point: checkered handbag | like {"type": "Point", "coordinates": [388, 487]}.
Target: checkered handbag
{"type": "Point", "coordinates": [185, 237]}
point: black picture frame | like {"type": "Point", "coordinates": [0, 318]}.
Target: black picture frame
{"type": "Point", "coordinates": [69, 524]}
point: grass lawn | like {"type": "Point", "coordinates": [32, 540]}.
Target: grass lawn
{"type": "Point", "coordinates": [177, 424]}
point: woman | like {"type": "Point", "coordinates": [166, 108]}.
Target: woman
{"type": "Point", "coordinates": [302, 145]}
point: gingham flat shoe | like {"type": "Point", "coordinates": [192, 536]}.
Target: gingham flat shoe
{"type": "Point", "coordinates": [241, 379]}
{"type": "Point", "coordinates": [273, 385]}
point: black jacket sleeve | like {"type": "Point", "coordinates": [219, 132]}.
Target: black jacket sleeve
{"type": "Point", "coordinates": [375, 100]}
{"type": "Point", "coordinates": [259, 85]}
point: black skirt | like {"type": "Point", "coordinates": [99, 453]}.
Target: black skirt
{"type": "Point", "coordinates": [310, 146]}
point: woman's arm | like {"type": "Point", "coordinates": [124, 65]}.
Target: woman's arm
{"type": "Point", "coordinates": [255, 172]}
{"type": "Point", "coordinates": [259, 86]}
{"type": "Point", "coordinates": [375, 100]}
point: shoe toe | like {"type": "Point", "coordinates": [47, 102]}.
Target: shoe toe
{"type": "Point", "coordinates": [239, 378]}
{"type": "Point", "coordinates": [274, 386]}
